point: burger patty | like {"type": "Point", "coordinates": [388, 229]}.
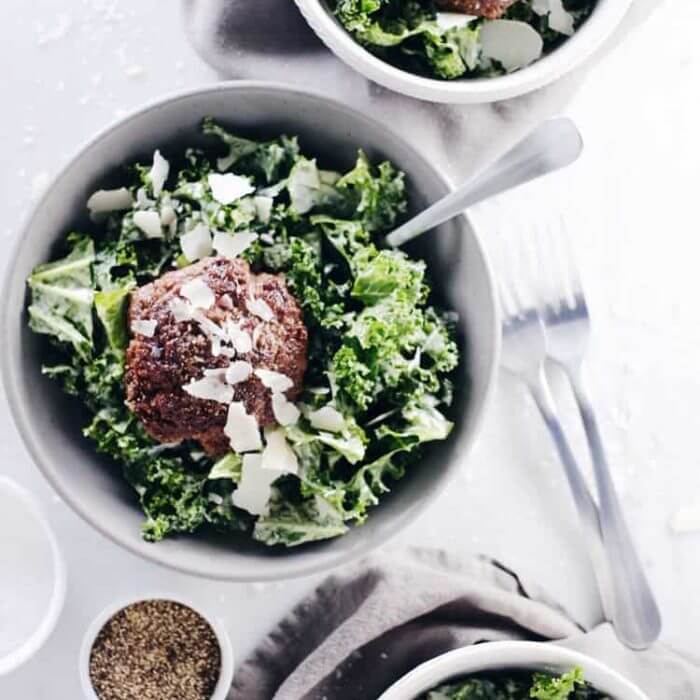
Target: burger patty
{"type": "Point", "coordinates": [491, 9]}
{"type": "Point", "coordinates": [179, 352]}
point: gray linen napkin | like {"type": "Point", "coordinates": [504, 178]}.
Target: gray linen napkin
{"type": "Point", "coordinates": [365, 627]}
{"type": "Point", "coordinates": [269, 40]}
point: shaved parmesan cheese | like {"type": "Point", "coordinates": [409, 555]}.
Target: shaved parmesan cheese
{"type": "Point", "coordinates": [303, 185]}
{"type": "Point", "coordinates": [239, 338]}
{"type": "Point", "coordinates": [263, 207]}
{"type": "Point", "coordinates": [217, 372]}
{"type": "Point", "coordinates": [285, 412]}
{"type": "Point", "coordinates": [104, 201]}
{"type": "Point", "coordinates": [211, 388]}
{"type": "Point", "coordinates": [260, 308]}
{"type": "Point", "coordinates": [143, 201]}
{"type": "Point", "coordinates": [558, 18]}
{"type": "Point", "coordinates": [233, 245]}
{"type": "Point", "coordinates": [327, 418]}
{"type": "Point", "coordinates": [147, 328]}
{"type": "Point", "coordinates": [208, 326]}
{"type": "Point", "coordinates": [255, 488]}
{"type": "Point", "coordinates": [242, 429]}
{"type": "Point", "coordinates": [167, 216]}
{"type": "Point", "coordinates": [180, 310]}
{"type": "Point", "coordinates": [238, 371]}
{"type": "Point", "coordinates": [196, 244]}
{"type": "Point", "coordinates": [267, 238]}
{"type": "Point", "coordinates": [278, 455]}
{"type": "Point", "coordinates": [149, 223]}
{"type": "Point", "coordinates": [198, 293]}
{"type": "Point", "coordinates": [158, 173]}
{"type": "Point", "coordinates": [275, 381]}
{"type": "Point", "coordinates": [513, 44]}
{"type": "Point", "coordinates": [453, 20]}
{"type": "Point", "coordinates": [229, 187]}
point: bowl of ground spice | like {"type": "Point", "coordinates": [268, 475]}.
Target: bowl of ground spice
{"type": "Point", "coordinates": [156, 648]}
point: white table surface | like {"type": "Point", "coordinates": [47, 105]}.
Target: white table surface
{"type": "Point", "coordinates": [69, 68]}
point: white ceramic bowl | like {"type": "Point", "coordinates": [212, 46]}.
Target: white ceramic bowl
{"type": "Point", "coordinates": [590, 36]}
{"type": "Point", "coordinates": [51, 426]}
{"type": "Point", "coordinates": [227, 662]}
{"type": "Point", "coordinates": [499, 656]}
{"type": "Point", "coordinates": [32, 577]}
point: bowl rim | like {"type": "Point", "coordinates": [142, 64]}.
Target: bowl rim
{"type": "Point", "coordinates": [21, 415]}
{"type": "Point", "coordinates": [43, 631]}
{"type": "Point", "coordinates": [507, 654]}
{"type": "Point", "coordinates": [223, 685]}
{"type": "Point", "coordinates": [603, 21]}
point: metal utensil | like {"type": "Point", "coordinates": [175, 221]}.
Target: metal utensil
{"type": "Point", "coordinates": [635, 613]}
{"type": "Point", "coordinates": [524, 353]}
{"type": "Point", "coordinates": [551, 146]}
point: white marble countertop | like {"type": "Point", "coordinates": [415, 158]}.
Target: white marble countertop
{"type": "Point", "coordinates": [68, 68]}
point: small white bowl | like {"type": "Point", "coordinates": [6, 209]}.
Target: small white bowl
{"type": "Point", "coordinates": [32, 576]}
{"type": "Point", "coordinates": [499, 656]}
{"type": "Point", "coordinates": [605, 18]}
{"type": "Point", "coordinates": [227, 663]}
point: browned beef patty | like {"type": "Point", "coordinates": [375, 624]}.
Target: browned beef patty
{"type": "Point", "coordinates": [491, 9]}
{"type": "Point", "coordinates": [157, 367]}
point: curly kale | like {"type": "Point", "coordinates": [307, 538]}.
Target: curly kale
{"type": "Point", "coordinates": [380, 355]}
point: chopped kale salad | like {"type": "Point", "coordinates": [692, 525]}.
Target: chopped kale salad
{"type": "Point", "coordinates": [245, 350]}
{"type": "Point", "coordinates": [449, 39]}
{"type": "Point", "coordinates": [518, 686]}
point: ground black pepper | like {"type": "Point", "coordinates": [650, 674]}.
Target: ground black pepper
{"type": "Point", "coordinates": [155, 650]}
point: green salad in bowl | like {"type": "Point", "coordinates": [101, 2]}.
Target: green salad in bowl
{"type": "Point", "coordinates": [517, 685]}
{"type": "Point", "coordinates": [449, 39]}
{"type": "Point", "coordinates": [245, 349]}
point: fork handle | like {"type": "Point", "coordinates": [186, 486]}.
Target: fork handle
{"type": "Point", "coordinates": [635, 613]}
{"type": "Point", "coordinates": [585, 505]}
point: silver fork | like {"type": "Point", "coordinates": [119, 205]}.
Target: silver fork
{"type": "Point", "coordinates": [524, 353]}
{"type": "Point", "coordinates": [634, 613]}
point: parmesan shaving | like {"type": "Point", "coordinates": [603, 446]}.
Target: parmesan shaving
{"type": "Point", "coordinates": [196, 244]}
{"type": "Point", "coordinates": [239, 338]}
{"type": "Point", "coordinates": [144, 327]}
{"type": "Point", "coordinates": [285, 412]}
{"type": "Point", "coordinates": [327, 418]}
{"type": "Point", "coordinates": [227, 188]}
{"type": "Point", "coordinates": [278, 454]}
{"type": "Point", "coordinates": [255, 488]}
{"type": "Point", "coordinates": [242, 429]}
{"type": "Point", "coordinates": [210, 388]}
{"type": "Point", "coordinates": [260, 308]}
{"type": "Point", "coordinates": [158, 173]}
{"type": "Point", "coordinates": [275, 381]}
{"type": "Point", "coordinates": [104, 201]}
{"type": "Point", "coordinates": [238, 372]}
{"type": "Point", "coordinates": [149, 223]}
{"type": "Point", "coordinates": [232, 245]}
{"type": "Point", "coordinates": [198, 293]}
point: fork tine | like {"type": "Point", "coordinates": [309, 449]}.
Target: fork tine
{"type": "Point", "coordinates": [571, 266]}
{"type": "Point", "coordinates": [562, 288]}
{"type": "Point", "coordinates": [520, 271]}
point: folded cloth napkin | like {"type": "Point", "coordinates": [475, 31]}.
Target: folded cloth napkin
{"type": "Point", "coordinates": [269, 40]}
{"type": "Point", "coordinates": [364, 628]}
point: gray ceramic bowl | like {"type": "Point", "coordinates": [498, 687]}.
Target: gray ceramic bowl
{"type": "Point", "coordinates": [50, 422]}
